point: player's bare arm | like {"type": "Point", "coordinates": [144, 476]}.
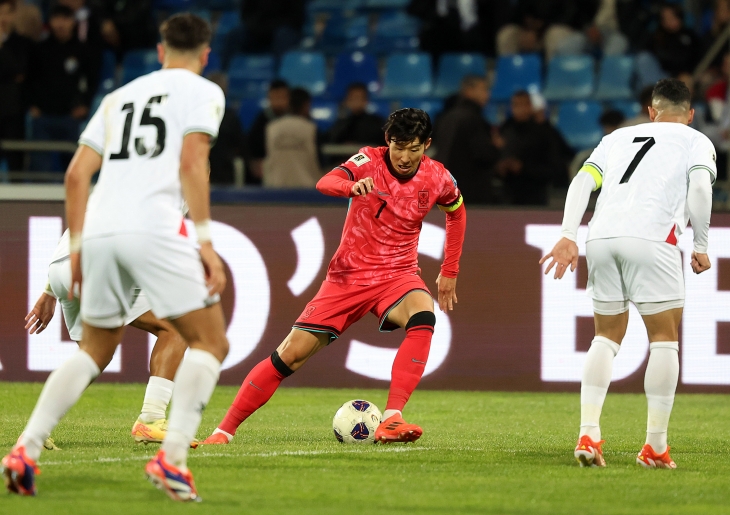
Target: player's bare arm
{"type": "Point", "coordinates": [85, 163]}
{"type": "Point", "coordinates": [196, 191]}
{"type": "Point", "coordinates": [41, 314]}
{"type": "Point", "coordinates": [563, 256]}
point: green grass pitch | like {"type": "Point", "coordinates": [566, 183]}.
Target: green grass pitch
{"type": "Point", "coordinates": [481, 453]}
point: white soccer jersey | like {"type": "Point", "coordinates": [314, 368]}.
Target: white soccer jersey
{"type": "Point", "coordinates": [139, 130]}
{"type": "Point", "coordinates": [644, 174]}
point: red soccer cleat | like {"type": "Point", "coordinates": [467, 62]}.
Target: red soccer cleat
{"type": "Point", "coordinates": [216, 439]}
{"type": "Point", "coordinates": [649, 459]}
{"type": "Point", "coordinates": [19, 472]}
{"type": "Point", "coordinates": [177, 484]}
{"type": "Point", "coordinates": [589, 453]}
{"type": "Point", "coordinates": [395, 429]}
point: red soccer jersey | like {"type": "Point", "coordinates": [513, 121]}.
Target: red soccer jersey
{"type": "Point", "coordinates": [380, 236]}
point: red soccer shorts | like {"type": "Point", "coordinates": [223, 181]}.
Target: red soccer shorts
{"type": "Point", "coordinates": [337, 306]}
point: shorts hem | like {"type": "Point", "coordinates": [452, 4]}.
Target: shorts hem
{"type": "Point", "coordinates": [384, 318]}
{"type": "Point", "coordinates": [104, 322]}
{"type": "Point", "coordinates": [312, 328]}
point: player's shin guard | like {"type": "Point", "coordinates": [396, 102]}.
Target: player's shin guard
{"type": "Point", "coordinates": [410, 361]}
{"type": "Point", "coordinates": [258, 387]}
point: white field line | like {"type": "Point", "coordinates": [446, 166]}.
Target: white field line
{"type": "Point", "coordinates": [195, 454]}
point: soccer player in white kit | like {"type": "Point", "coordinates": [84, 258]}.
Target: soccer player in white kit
{"type": "Point", "coordinates": [654, 177]}
{"type": "Point", "coordinates": [167, 353]}
{"type": "Point", "coordinates": [151, 139]}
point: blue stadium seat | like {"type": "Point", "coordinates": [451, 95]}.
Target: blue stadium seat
{"type": "Point", "coordinates": [203, 12]}
{"type": "Point", "coordinates": [407, 76]}
{"type": "Point", "coordinates": [570, 77]}
{"type": "Point", "coordinates": [395, 32]}
{"type": "Point", "coordinates": [494, 113]}
{"type": "Point", "coordinates": [354, 67]}
{"type": "Point", "coordinates": [323, 113]}
{"type": "Point", "coordinates": [380, 107]}
{"type": "Point", "coordinates": [350, 32]}
{"type": "Point", "coordinates": [516, 72]}
{"type": "Point", "coordinates": [433, 106]}
{"type": "Point", "coordinates": [614, 78]}
{"type": "Point", "coordinates": [329, 6]}
{"type": "Point", "coordinates": [108, 73]}
{"type": "Point", "coordinates": [385, 4]}
{"type": "Point", "coordinates": [227, 21]}
{"type": "Point", "coordinates": [249, 109]}
{"type": "Point", "coordinates": [453, 68]}
{"type": "Point", "coordinates": [214, 63]}
{"type": "Point", "coordinates": [306, 70]}
{"type": "Point", "coordinates": [249, 75]}
{"type": "Point", "coordinates": [578, 122]}
{"type": "Point", "coordinates": [630, 108]}
{"type": "Point", "coordinates": [137, 63]}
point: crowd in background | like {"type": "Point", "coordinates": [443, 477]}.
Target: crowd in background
{"type": "Point", "coordinates": [51, 57]}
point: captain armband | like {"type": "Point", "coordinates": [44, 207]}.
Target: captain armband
{"type": "Point", "coordinates": [450, 208]}
{"type": "Point", "coordinates": [594, 171]}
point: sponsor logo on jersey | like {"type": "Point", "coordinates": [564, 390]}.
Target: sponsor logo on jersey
{"type": "Point", "coordinates": [308, 312]}
{"type": "Point", "coordinates": [423, 199]}
{"type": "Point", "coordinates": [359, 159]}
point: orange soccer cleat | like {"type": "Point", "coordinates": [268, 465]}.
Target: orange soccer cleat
{"type": "Point", "coordinates": [19, 472]}
{"type": "Point", "coordinates": [649, 459]}
{"type": "Point", "coordinates": [177, 484]}
{"type": "Point", "coordinates": [216, 439]}
{"type": "Point", "coordinates": [589, 453]}
{"type": "Point", "coordinates": [395, 429]}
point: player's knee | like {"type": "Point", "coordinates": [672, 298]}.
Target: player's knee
{"type": "Point", "coordinates": [422, 320]}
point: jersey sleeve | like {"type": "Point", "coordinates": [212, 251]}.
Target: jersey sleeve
{"type": "Point", "coordinates": [357, 165]}
{"type": "Point", "coordinates": [596, 163]}
{"type": "Point", "coordinates": [205, 111]}
{"type": "Point", "coordinates": [449, 199]}
{"type": "Point", "coordinates": [703, 157]}
{"type": "Point", "coordinates": [94, 134]}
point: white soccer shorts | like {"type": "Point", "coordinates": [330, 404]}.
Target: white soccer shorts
{"type": "Point", "coordinates": [636, 270]}
{"type": "Point", "coordinates": [167, 268]}
{"type": "Point", "coordinates": [59, 277]}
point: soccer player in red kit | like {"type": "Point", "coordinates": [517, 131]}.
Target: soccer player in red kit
{"type": "Point", "coordinates": [375, 269]}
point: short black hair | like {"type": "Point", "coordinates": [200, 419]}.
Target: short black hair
{"type": "Point", "coordinates": [645, 96]}
{"type": "Point", "coordinates": [61, 10]}
{"type": "Point", "coordinates": [611, 118]}
{"type": "Point", "coordinates": [357, 86]}
{"type": "Point", "coordinates": [673, 90]}
{"type": "Point", "coordinates": [185, 32]}
{"type": "Point", "coordinates": [298, 100]}
{"type": "Point", "coordinates": [408, 124]}
{"type": "Point", "coordinates": [278, 84]}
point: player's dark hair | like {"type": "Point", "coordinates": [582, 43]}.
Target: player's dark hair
{"type": "Point", "coordinates": [409, 124]}
{"type": "Point", "coordinates": [673, 90]}
{"type": "Point", "coordinates": [185, 32]}
{"type": "Point", "coordinates": [611, 118]}
{"type": "Point", "coordinates": [278, 84]}
{"type": "Point", "coordinates": [358, 86]}
{"type": "Point", "coordinates": [299, 98]}
{"type": "Point", "coordinates": [61, 10]}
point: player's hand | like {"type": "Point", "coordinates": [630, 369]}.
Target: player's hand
{"type": "Point", "coordinates": [41, 314]}
{"type": "Point", "coordinates": [700, 262]}
{"type": "Point", "coordinates": [215, 274]}
{"type": "Point", "coordinates": [563, 254]}
{"type": "Point", "coordinates": [75, 289]}
{"type": "Point", "coordinates": [363, 187]}
{"type": "Point", "coordinates": [447, 293]}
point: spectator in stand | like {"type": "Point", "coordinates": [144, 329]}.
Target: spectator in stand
{"type": "Point", "coordinates": [357, 125]}
{"type": "Point", "coordinates": [59, 89]}
{"type": "Point", "coordinates": [530, 156]}
{"type": "Point", "coordinates": [29, 21]}
{"type": "Point", "coordinates": [128, 24]}
{"type": "Point", "coordinates": [278, 97]}
{"type": "Point", "coordinates": [643, 116]}
{"type": "Point", "coordinates": [554, 26]}
{"type": "Point", "coordinates": [452, 26]}
{"type": "Point", "coordinates": [716, 94]}
{"type": "Point", "coordinates": [291, 147]}
{"type": "Point", "coordinates": [14, 55]}
{"type": "Point", "coordinates": [463, 141]}
{"type": "Point", "coordinates": [720, 21]}
{"type": "Point", "coordinates": [230, 142]}
{"type": "Point", "coordinates": [672, 49]}
{"type": "Point", "coordinates": [604, 33]}
{"type": "Point", "coordinates": [88, 22]}
{"type": "Point", "coordinates": [563, 151]}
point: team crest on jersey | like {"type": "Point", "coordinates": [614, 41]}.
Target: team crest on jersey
{"type": "Point", "coordinates": [308, 312]}
{"type": "Point", "coordinates": [423, 199]}
{"type": "Point", "coordinates": [359, 159]}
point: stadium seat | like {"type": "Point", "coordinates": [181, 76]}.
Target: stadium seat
{"type": "Point", "coordinates": [329, 6]}
{"type": "Point", "coordinates": [494, 113]}
{"type": "Point", "coordinates": [516, 72]}
{"type": "Point", "coordinates": [352, 67]}
{"type": "Point", "coordinates": [614, 78]}
{"type": "Point", "coordinates": [249, 75]}
{"type": "Point", "coordinates": [630, 108]}
{"type": "Point", "coordinates": [407, 76]}
{"type": "Point", "coordinates": [108, 73]}
{"type": "Point", "coordinates": [453, 67]}
{"type": "Point", "coordinates": [137, 63]}
{"type": "Point", "coordinates": [306, 70]}
{"type": "Point", "coordinates": [385, 4]}
{"type": "Point", "coordinates": [248, 110]}
{"type": "Point", "coordinates": [380, 107]}
{"type": "Point", "coordinates": [214, 63]}
{"type": "Point", "coordinates": [323, 113]}
{"type": "Point", "coordinates": [433, 106]}
{"type": "Point", "coordinates": [345, 32]}
{"type": "Point", "coordinates": [227, 21]}
{"type": "Point", "coordinates": [395, 32]}
{"type": "Point", "coordinates": [578, 122]}
{"type": "Point", "coordinates": [203, 12]}
{"type": "Point", "coordinates": [570, 77]}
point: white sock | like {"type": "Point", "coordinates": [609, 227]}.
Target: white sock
{"type": "Point", "coordinates": [594, 386]}
{"type": "Point", "coordinates": [156, 398]}
{"type": "Point", "coordinates": [660, 384]}
{"type": "Point", "coordinates": [228, 435]}
{"type": "Point", "coordinates": [194, 384]}
{"type": "Point", "coordinates": [62, 390]}
{"type": "Point", "coordinates": [390, 412]}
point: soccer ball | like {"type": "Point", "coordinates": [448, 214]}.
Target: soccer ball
{"type": "Point", "coordinates": [356, 422]}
